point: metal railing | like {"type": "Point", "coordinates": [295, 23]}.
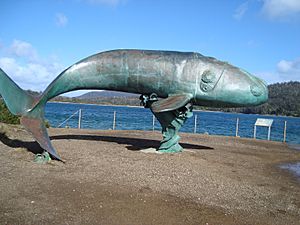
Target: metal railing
{"type": "Point", "coordinates": [79, 119]}
{"type": "Point", "coordinates": [235, 125]}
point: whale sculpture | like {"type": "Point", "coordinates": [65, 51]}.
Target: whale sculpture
{"type": "Point", "coordinates": [169, 82]}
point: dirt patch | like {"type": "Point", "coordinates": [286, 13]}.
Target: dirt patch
{"type": "Point", "coordinates": [108, 180]}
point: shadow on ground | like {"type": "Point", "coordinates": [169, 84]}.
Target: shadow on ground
{"type": "Point", "coordinates": [31, 146]}
{"type": "Point", "coordinates": [133, 144]}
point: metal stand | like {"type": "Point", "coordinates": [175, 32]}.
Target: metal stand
{"type": "Point", "coordinates": [171, 122]}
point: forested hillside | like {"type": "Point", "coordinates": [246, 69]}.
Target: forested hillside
{"type": "Point", "coordinates": [284, 99]}
{"type": "Point", "coordinates": [6, 116]}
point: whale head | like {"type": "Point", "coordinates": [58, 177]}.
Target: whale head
{"type": "Point", "coordinates": [223, 85]}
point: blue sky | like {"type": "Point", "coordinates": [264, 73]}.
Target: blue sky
{"type": "Point", "coordinates": [38, 39]}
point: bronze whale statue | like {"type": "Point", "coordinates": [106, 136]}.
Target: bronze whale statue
{"type": "Point", "coordinates": [169, 82]}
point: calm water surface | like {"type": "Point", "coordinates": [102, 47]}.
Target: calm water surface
{"type": "Point", "coordinates": [136, 118]}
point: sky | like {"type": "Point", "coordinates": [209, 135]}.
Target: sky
{"type": "Point", "coordinates": [40, 38]}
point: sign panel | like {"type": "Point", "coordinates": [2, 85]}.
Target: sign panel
{"type": "Point", "coordinates": [264, 122]}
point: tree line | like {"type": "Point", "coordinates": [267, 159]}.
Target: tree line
{"type": "Point", "coordinates": [284, 99]}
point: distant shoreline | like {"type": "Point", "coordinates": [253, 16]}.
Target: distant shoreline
{"type": "Point", "coordinates": [130, 106]}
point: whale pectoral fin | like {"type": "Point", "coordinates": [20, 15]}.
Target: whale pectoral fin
{"type": "Point", "coordinates": [38, 130]}
{"type": "Point", "coordinates": [173, 102]}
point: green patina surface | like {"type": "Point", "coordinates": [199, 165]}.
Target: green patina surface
{"type": "Point", "coordinates": [171, 122]}
{"type": "Point", "coordinates": [42, 158]}
{"type": "Point", "coordinates": [179, 79]}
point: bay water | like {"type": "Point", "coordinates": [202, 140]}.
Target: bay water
{"type": "Point", "coordinates": [138, 118]}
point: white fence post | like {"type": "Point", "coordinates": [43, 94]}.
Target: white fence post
{"type": "Point", "coordinates": [79, 119]}
{"type": "Point", "coordinates": [114, 121]}
{"type": "Point", "coordinates": [195, 124]}
{"type": "Point", "coordinates": [284, 132]}
{"type": "Point", "coordinates": [269, 133]}
{"type": "Point", "coordinates": [153, 122]}
{"type": "Point", "coordinates": [237, 127]}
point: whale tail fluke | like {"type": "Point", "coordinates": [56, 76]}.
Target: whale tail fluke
{"type": "Point", "coordinates": [36, 126]}
{"type": "Point", "coordinates": [30, 108]}
{"type": "Point", "coordinates": [17, 100]}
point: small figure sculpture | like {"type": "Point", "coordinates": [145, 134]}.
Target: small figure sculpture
{"type": "Point", "coordinates": [180, 79]}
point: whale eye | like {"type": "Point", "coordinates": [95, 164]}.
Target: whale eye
{"type": "Point", "coordinates": [255, 90]}
{"type": "Point", "coordinates": [208, 76]}
{"type": "Point", "coordinates": [208, 81]}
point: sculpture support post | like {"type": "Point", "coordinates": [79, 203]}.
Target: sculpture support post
{"type": "Point", "coordinates": [171, 122]}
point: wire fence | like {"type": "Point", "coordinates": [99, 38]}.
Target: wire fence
{"type": "Point", "coordinates": [133, 118]}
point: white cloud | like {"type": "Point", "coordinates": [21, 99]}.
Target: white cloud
{"type": "Point", "coordinates": [105, 2]}
{"type": "Point", "coordinates": [289, 69]}
{"type": "Point", "coordinates": [281, 9]}
{"type": "Point", "coordinates": [23, 49]}
{"type": "Point", "coordinates": [61, 20]}
{"type": "Point", "coordinates": [28, 73]}
{"type": "Point", "coordinates": [285, 71]}
{"type": "Point", "coordinates": [241, 10]}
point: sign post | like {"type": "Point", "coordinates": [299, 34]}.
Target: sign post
{"type": "Point", "coordinates": [263, 123]}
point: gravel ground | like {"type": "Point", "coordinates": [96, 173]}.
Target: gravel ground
{"type": "Point", "coordinates": [108, 179]}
